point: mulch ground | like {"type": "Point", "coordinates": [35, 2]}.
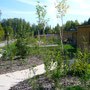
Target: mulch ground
{"type": "Point", "coordinates": [6, 66]}
{"type": "Point", "coordinates": [44, 83]}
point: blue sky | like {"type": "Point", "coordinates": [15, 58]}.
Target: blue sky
{"type": "Point", "coordinates": [78, 10]}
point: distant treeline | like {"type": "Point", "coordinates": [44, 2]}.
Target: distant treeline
{"type": "Point", "coordinates": [13, 27]}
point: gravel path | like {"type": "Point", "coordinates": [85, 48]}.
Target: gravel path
{"type": "Point", "coordinates": [3, 44]}
{"type": "Point", "coordinates": [10, 79]}
{"type": "Point", "coordinates": [6, 66]}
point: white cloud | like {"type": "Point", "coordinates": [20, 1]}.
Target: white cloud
{"type": "Point", "coordinates": [17, 12]}
{"type": "Point", "coordinates": [79, 7]}
{"type": "Point", "coordinates": [52, 14]}
{"type": "Point", "coordinates": [78, 12]}
{"type": "Point", "coordinates": [30, 2]}
{"type": "Point", "coordinates": [53, 1]}
{"type": "Point", "coordinates": [51, 10]}
{"type": "Point", "coordinates": [84, 4]}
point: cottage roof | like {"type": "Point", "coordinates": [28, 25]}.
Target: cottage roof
{"type": "Point", "coordinates": [83, 26]}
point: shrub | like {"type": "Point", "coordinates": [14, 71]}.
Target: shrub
{"type": "Point", "coordinates": [60, 68]}
{"type": "Point", "coordinates": [22, 48]}
{"type": "Point", "coordinates": [75, 88]}
{"type": "Point", "coordinates": [10, 51]}
{"type": "Point", "coordinates": [32, 41]}
{"type": "Point", "coordinates": [51, 41]}
{"type": "Point", "coordinates": [80, 65]}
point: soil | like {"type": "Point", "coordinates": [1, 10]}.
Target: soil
{"type": "Point", "coordinates": [44, 83]}
{"type": "Point", "coordinates": [6, 66]}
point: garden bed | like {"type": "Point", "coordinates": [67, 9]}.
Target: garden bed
{"type": "Point", "coordinates": [42, 82]}
{"type": "Point", "coordinates": [19, 64]}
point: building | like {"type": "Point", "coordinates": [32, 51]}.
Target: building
{"type": "Point", "coordinates": [79, 37]}
{"type": "Point", "coordinates": [83, 37]}
{"type": "Point", "coordinates": [50, 36]}
{"type": "Point", "coordinates": [70, 37]}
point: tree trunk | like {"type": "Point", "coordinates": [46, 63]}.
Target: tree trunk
{"type": "Point", "coordinates": [38, 38]}
{"type": "Point", "coordinates": [32, 34]}
{"type": "Point", "coordinates": [62, 33]}
{"type": "Point", "coordinates": [8, 41]}
{"type": "Point", "coordinates": [60, 38]}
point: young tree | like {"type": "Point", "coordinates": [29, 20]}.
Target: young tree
{"type": "Point", "coordinates": [34, 29]}
{"type": "Point", "coordinates": [57, 28]}
{"type": "Point", "coordinates": [47, 29]}
{"type": "Point", "coordinates": [22, 42]}
{"type": "Point", "coordinates": [89, 21]}
{"type": "Point", "coordinates": [41, 13]}
{"type": "Point", "coordinates": [16, 24]}
{"type": "Point", "coordinates": [61, 11]}
{"type": "Point", "coordinates": [2, 33]}
{"type": "Point", "coordinates": [71, 24]}
{"type": "Point", "coordinates": [8, 33]}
